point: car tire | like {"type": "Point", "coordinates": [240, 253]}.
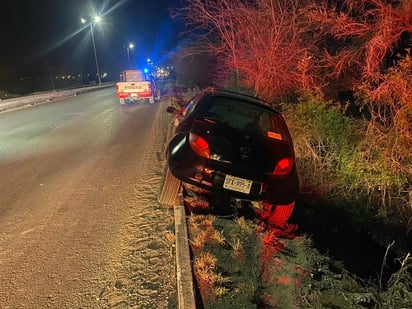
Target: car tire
{"type": "Point", "coordinates": [158, 95]}
{"type": "Point", "coordinates": [276, 214]}
{"type": "Point", "coordinates": [281, 214]}
{"type": "Point", "coordinates": [169, 189]}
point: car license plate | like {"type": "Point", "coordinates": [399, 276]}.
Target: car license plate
{"type": "Point", "coordinates": [237, 184]}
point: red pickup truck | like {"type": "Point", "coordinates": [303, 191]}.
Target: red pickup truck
{"type": "Point", "coordinates": [134, 86]}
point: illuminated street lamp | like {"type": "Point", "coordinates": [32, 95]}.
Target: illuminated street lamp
{"type": "Point", "coordinates": [129, 47]}
{"type": "Point", "coordinates": [95, 20]}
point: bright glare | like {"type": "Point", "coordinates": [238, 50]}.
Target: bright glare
{"type": "Point", "coordinates": [96, 19]}
{"type": "Point", "coordinates": [131, 45]}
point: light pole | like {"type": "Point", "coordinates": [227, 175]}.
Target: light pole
{"type": "Point", "coordinates": [129, 47]}
{"type": "Point", "coordinates": [96, 20]}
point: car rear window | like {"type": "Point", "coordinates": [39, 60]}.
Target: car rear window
{"type": "Point", "coordinates": [245, 116]}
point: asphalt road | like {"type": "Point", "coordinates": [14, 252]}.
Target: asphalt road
{"type": "Point", "coordinates": [79, 223]}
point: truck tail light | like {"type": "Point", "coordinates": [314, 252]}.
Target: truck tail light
{"type": "Point", "coordinates": [199, 145]}
{"type": "Point", "coordinates": [284, 166]}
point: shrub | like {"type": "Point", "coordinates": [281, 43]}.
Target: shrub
{"type": "Point", "coordinates": [324, 141]}
{"type": "Point", "coordinates": [345, 159]}
{"type": "Point", "coordinates": [386, 150]}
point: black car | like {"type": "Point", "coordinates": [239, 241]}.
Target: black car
{"type": "Point", "coordinates": [235, 145]}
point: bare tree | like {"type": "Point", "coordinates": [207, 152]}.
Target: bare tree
{"type": "Point", "coordinates": [280, 46]}
{"type": "Point", "coordinates": [363, 32]}
{"type": "Point", "coordinates": [258, 39]}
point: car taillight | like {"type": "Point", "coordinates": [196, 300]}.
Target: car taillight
{"type": "Point", "coordinates": [199, 145]}
{"type": "Point", "coordinates": [284, 166]}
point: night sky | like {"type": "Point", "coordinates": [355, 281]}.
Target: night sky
{"type": "Point", "coordinates": [40, 35]}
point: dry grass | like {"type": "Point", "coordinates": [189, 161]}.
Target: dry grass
{"type": "Point", "coordinates": [202, 221]}
{"type": "Point", "coordinates": [196, 202]}
{"type": "Point", "coordinates": [218, 237]}
{"type": "Point", "coordinates": [247, 226]}
{"type": "Point", "coordinates": [237, 247]}
{"type": "Point", "coordinates": [202, 231]}
{"type": "Point", "coordinates": [205, 267]}
{"type": "Point", "coordinates": [199, 239]}
{"type": "Point", "coordinates": [208, 220]}
{"type": "Point", "coordinates": [221, 291]}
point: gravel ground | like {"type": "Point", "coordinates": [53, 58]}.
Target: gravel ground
{"type": "Point", "coordinates": [89, 233]}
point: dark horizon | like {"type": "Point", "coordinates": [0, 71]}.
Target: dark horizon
{"type": "Point", "coordinates": [48, 39]}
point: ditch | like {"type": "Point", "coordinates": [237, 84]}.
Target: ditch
{"type": "Point", "coordinates": [359, 244]}
{"type": "Point", "coordinates": [331, 260]}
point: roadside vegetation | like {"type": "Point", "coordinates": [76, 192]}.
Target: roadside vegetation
{"type": "Point", "coordinates": [340, 71]}
{"type": "Point", "coordinates": [243, 263]}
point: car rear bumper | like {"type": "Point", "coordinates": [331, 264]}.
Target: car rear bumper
{"type": "Point", "coordinates": [211, 175]}
{"type": "Point", "coordinates": [134, 95]}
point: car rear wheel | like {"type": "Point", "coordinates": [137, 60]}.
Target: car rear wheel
{"type": "Point", "coordinates": [276, 214]}
{"type": "Point", "coordinates": [158, 95]}
{"type": "Point", "coordinates": [169, 189]}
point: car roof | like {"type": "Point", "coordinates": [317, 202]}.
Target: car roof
{"type": "Point", "coordinates": [240, 96]}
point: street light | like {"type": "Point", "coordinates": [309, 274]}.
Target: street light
{"type": "Point", "coordinates": [96, 20]}
{"type": "Point", "coordinates": [129, 47]}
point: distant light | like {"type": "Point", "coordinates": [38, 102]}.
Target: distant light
{"type": "Point", "coordinates": [148, 59]}
{"type": "Point", "coordinates": [131, 45]}
{"type": "Point", "coordinates": [97, 19]}
{"type": "Point", "coordinates": [145, 70]}
{"type": "Point", "coordinates": [82, 20]}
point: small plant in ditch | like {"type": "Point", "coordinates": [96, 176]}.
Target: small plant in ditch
{"type": "Point", "coordinates": [202, 234]}
{"type": "Point", "coordinates": [205, 267]}
{"type": "Point", "coordinates": [397, 292]}
{"type": "Point", "coordinates": [225, 260]}
{"type": "Point", "coordinates": [202, 231]}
